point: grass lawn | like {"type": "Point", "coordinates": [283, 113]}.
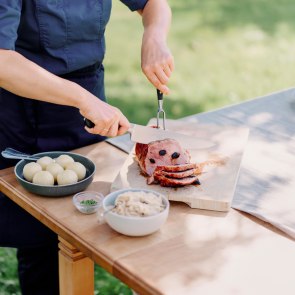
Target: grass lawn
{"type": "Point", "coordinates": [225, 52]}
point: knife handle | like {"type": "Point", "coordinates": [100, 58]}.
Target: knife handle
{"type": "Point", "coordinates": [88, 123]}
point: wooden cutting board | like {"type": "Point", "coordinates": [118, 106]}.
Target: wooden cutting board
{"type": "Point", "coordinates": [221, 164]}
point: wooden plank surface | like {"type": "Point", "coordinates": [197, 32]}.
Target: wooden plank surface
{"type": "Point", "coordinates": [213, 255]}
{"type": "Point", "coordinates": [221, 164]}
{"type": "Point", "coordinates": [195, 252]}
{"type": "Point", "coordinates": [267, 179]}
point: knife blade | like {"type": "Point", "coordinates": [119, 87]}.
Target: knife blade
{"type": "Point", "coordinates": [147, 134]}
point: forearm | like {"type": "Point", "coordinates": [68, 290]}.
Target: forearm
{"type": "Point", "coordinates": [156, 17]}
{"type": "Point", "coordinates": [25, 78]}
{"type": "Point", "coordinates": [156, 59]}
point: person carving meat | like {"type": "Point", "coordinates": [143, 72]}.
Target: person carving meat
{"type": "Point", "coordinates": [51, 76]}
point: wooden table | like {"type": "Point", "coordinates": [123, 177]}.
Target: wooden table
{"type": "Point", "coordinates": [195, 252]}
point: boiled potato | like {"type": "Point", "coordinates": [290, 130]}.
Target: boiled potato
{"type": "Point", "coordinates": [64, 160]}
{"type": "Point", "coordinates": [30, 170]}
{"type": "Point", "coordinates": [67, 177]}
{"type": "Point", "coordinates": [78, 168]}
{"type": "Point", "coordinates": [44, 162]}
{"type": "Point", "coordinates": [54, 169]}
{"type": "Point", "coordinates": [43, 178]}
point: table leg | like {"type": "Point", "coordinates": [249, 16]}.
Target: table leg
{"type": "Point", "coordinates": [76, 271]}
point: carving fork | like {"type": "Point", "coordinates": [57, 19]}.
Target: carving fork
{"type": "Point", "coordinates": [160, 110]}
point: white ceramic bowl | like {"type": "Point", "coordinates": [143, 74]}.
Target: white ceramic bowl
{"type": "Point", "coordinates": [133, 225]}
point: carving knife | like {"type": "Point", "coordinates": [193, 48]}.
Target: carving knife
{"type": "Point", "coordinates": [147, 134]}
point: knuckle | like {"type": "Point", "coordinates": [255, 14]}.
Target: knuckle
{"type": "Point", "coordinates": [158, 84]}
{"type": "Point", "coordinates": [113, 133]}
{"type": "Point", "coordinates": [146, 68]}
{"type": "Point", "coordinates": [157, 65]}
{"type": "Point", "coordinates": [116, 109]}
{"type": "Point", "coordinates": [152, 79]}
{"type": "Point", "coordinates": [162, 89]}
{"type": "Point", "coordinates": [165, 80]}
{"type": "Point", "coordinates": [164, 62]}
{"type": "Point", "coordinates": [118, 113]}
{"type": "Point", "coordinates": [170, 59]}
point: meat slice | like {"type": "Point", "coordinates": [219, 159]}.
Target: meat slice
{"type": "Point", "coordinates": [166, 152]}
{"type": "Point", "coordinates": [178, 174]}
{"type": "Point", "coordinates": [177, 168]}
{"type": "Point", "coordinates": [175, 182]}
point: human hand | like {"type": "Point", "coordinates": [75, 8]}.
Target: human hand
{"type": "Point", "coordinates": [108, 120]}
{"type": "Point", "coordinates": [157, 62]}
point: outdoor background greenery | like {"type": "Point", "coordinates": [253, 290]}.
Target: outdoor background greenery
{"type": "Point", "coordinates": [225, 52]}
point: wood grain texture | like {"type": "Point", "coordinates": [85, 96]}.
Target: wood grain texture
{"type": "Point", "coordinates": [59, 214]}
{"type": "Point", "coordinates": [76, 271]}
{"type": "Point", "coordinates": [195, 251]}
{"type": "Point", "coordinates": [221, 164]}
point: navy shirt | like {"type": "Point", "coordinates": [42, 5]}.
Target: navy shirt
{"type": "Point", "coordinates": [59, 35]}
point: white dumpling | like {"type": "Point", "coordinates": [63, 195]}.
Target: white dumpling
{"type": "Point", "coordinates": [67, 177]}
{"type": "Point", "coordinates": [54, 169]}
{"type": "Point", "coordinates": [78, 168]}
{"type": "Point", "coordinates": [30, 170]}
{"type": "Point", "coordinates": [64, 160]}
{"type": "Point", "coordinates": [43, 178]}
{"type": "Point", "coordinates": [44, 162]}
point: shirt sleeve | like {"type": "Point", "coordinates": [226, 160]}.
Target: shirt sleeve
{"type": "Point", "coordinates": [135, 4]}
{"type": "Point", "coordinates": [10, 11]}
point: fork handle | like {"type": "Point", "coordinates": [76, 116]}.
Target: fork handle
{"type": "Point", "coordinates": [10, 153]}
{"type": "Point", "coordinates": [159, 94]}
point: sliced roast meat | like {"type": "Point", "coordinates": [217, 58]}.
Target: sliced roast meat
{"type": "Point", "coordinates": [166, 152]}
{"type": "Point", "coordinates": [167, 163]}
{"type": "Point", "coordinates": [175, 182]}
{"type": "Point", "coordinates": [178, 174]}
{"type": "Point", "coordinates": [177, 168]}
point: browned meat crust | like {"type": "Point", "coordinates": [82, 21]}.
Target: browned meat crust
{"type": "Point", "coordinates": [177, 168]}
{"type": "Point", "coordinates": [175, 182]}
{"type": "Point", "coordinates": [178, 174]}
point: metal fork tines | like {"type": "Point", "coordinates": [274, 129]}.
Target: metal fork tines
{"type": "Point", "coordinates": [160, 110]}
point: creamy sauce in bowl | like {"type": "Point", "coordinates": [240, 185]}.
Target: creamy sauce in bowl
{"type": "Point", "coordinates": [138, 203]}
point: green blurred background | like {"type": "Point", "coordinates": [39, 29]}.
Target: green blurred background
{"type": "Point", "coordinates": [225, 51]}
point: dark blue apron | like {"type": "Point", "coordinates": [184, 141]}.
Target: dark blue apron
{"type": "Point", "coordinates": [33, 126]}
